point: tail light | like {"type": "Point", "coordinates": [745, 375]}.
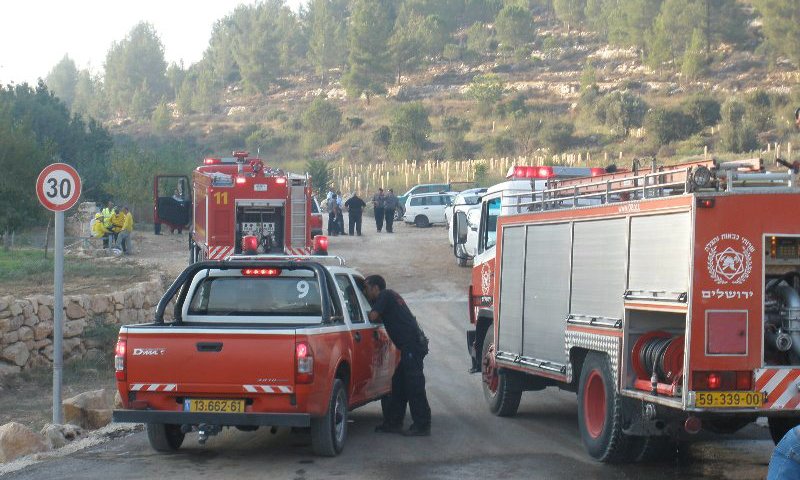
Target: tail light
{"type": "Point", "coordinates": [119, 358]}
{"type": "Point", "coordinates": [250, 244]}
{"type": "Point", "coordinates": [280, 180]}
{"type": "Point", "coordinates": [241, 180]}
{"type": "Point", "coordinates": [740, 380]}
{"type": "Point", "coordinates": [261, 272]}
{"type": "Point", "coordinates": [304, 358]}
{"type": "Point", "coordinates": [320, 245]}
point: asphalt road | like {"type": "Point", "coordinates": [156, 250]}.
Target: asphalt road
{"type": "Point", "coordinates": [467, 442]}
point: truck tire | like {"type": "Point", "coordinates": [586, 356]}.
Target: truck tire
{"type": "Point", "coordinates": [600, 412]}
{"type": "Point", "coordinates": [165, 438]}
{"type": "Point", "coordinates": [780, 426]}
{"type": "Point", "coordinates": [421, 221]}
{"type": "Point", "coordinates": [328, 432]}
{"type": "Point", "coordinates": [501, 392]}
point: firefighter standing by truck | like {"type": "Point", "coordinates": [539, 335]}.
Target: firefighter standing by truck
{"type": "Point", "coordinates": [408, 381]}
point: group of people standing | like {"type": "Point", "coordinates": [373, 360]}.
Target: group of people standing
{"type": "Point", "coordinates": [114, 225]}
{"type": "Point", "coordinates": [355, 208]}
{"type": "Point", "coordinates": [385, 205]}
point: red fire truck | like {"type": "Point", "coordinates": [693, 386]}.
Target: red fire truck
{"type": "Point", "coordinates": [239, 197]}
{"type": "Point", "coordinates": [668, 299]}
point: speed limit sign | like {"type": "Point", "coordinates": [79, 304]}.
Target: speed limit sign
{"type": "Point", "coordinates": [58, 187]}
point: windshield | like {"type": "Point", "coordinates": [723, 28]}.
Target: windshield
{"type": "Point", "coordinates": [284, 296]}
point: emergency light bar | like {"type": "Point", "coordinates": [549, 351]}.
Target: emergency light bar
{"type": "Point", "coordinates": [520, 172]}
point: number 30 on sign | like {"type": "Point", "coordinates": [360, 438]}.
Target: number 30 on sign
{"type": "Point", "coordinates": [58, 187]}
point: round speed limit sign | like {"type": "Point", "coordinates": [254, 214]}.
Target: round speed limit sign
{"type": "Point", "coordinates": [58, 187]}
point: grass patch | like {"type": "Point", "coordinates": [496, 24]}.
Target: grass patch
{"type": "Point", "coordinates": [26, 267]}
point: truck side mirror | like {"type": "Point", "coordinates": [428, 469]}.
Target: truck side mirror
{"type": "Point", "coordinates": [460, 228]}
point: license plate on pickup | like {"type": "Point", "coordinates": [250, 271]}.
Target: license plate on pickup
{"type": "Point", "coordinates": [210, 405]}
{"type": "Point", "coordinates": [728, 399]}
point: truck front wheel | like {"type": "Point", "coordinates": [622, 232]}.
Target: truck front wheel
{"type": "Point", "coordinates": [165, 438]}
{"type": "Point", "coordinates": [600, 412]}
{"type": "Point", "coordinates": [500, 390]}
{"type": "Point", "coordinates": [329, 432]}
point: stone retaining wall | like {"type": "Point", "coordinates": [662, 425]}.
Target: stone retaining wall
{"type": "Point", "coordinates": [26, 325]}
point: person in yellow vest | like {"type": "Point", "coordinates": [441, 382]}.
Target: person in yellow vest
{"type": "Point", "coordinates": [124, 241]}
{"type": "Point", "coordinates": [107, 213]}
{"type": "Point", "coordinates": [99, 229]}
{"type": "Point", "coordinates": [117, 221]}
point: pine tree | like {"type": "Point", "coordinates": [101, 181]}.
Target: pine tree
{"type": "Point", "coordinates": [327, 43]}
{"type": "Point", "coordinates": [369, 62]}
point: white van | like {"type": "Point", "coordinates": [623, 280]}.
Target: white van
{"type": "Point", "coordinates": [427, 209]}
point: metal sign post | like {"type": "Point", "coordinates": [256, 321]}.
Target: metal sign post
{"type": "Point", "coordinates": [58, 188]}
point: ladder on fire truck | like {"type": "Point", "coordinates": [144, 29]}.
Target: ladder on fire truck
{"type": "Point", "coordinates": [710, 175]}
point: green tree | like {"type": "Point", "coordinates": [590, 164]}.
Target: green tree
{"type": "Point", "coordinates": [409, 43]}
{"type": "Point", "coordinates": [737, 132]}
{"type": "Point", "coordinates": [556, 135]}
{"type": "Point", "coordinates": [90, 98]}
{"type": "Point", "coordinates": [255, 44]}
{"type": "Point", "coordinates": [487, 89]}
{"type": "Point", "coordinates": [21, 159]}
{"type": "Point", "coordinates": [184, 99]}
{"type": "Point", "coordinates": [322, 122]}
{"type": "Point", "coordinates": [571, 12]}
{"type": "Point", "coordinates": [621, 111]}
{"type": "Point", "coordinates": [327, 43]}
{"type": "Point", "coordinates": [206, 95]}
{"type": "Point", "coordinates": [162, 117]}
{"type": "Point", "coordinates": [704, 109]}
{"type": "Point", "coordinates": [321, 177]}
{"type": "Point", "coordinates": [780, 19]}
{"type": "Point", "coordinates": [514, 26]}
{"type": "Point", "coordinates": [130, 174]}
{"type": "Point", "coordinates": [455, 131]}
{"type": "Point", "coordinates": [409, 130]}
{"type": "Point", "coordinates": [136, 66]}
{"type": "Point", "coordinates": [480, 39]}
{"type": "Point", "coordinates": [369, 62]}
{"type": "Point", "coordinates": [666, 125]}
{"type": "Point", "coordinates": [63, 79]}
{"type": "Point", "coordinates": [694, 59]}
{"type": "Point", "coordinates": [629, 22]}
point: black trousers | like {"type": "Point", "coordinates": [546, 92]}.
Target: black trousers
{"type": "Point", "coordinates": [332, 224]}
{"type": "Point", "coordinates": [354, 222]}
{"type": "Point", "coordinates": [388, 213]}
{"type": "Point", "coordinates": [379, 218]}
{"type": "Point", "coordinates": [408, 388]}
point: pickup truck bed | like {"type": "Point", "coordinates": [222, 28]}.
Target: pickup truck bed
{"type": "Point", "coordinates": [254, 343]}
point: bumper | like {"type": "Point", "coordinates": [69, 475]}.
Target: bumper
{"type": "Point", "coordinates": [223, 419]}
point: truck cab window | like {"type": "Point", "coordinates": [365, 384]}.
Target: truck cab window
{"type": "Point", "coordinates": [489, 237]}
{"type": "Point", "coordinates": [350, 298]}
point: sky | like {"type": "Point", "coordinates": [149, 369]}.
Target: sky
{"type": "Point", "coordinates": [35, 35]}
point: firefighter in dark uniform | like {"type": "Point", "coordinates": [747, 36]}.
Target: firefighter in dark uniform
{"type": "Point", "coordinates": [408, 382]}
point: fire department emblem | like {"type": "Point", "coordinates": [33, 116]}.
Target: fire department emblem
{"type": "Point", "coordinates": [486, 279]}
{"type": "Point", "coordinates": [730, 258]}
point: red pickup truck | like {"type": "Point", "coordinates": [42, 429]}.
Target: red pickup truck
{"type": "Point", "coordinates": [255, 342]}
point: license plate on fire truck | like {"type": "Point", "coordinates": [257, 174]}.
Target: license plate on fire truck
{"type": "Point", "coordinates": [728, 399]}
{"type": "Point", "coordinates": [210, 405]}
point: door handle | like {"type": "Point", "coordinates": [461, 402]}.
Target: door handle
{"type": "Point", "coordinates": [375, 335]}
{"type": "Point", "coordinates": [357, 336]}
{"type": "Point", "coordinates": [209, 346]}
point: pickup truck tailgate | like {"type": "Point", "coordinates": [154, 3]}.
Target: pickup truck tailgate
{"type": "Point", "coordinates": [200, 361]}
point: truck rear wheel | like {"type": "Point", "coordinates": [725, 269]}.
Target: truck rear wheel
{"type": "Point", "coordinates": [329, 432]}
{"type": "Point", "coordinates": [780, 426]}
{"type": "Point", "coordinates": [165, 438]}
{"type": "Point", "coordinates": [501, 392]}
{"type": "Point", "coordinates": [600, 412]}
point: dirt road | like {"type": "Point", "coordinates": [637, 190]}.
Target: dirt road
{"type": "Point", "coordinates": [542, 441]}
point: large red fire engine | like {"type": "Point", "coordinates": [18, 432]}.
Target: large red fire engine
{"type": "Point", "coordinates": [239, 197]}
{"type": "Point", "coordinates": [667, 299]}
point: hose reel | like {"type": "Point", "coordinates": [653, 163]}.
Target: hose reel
{"type": "Point", "coordinates": [658, 353]}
